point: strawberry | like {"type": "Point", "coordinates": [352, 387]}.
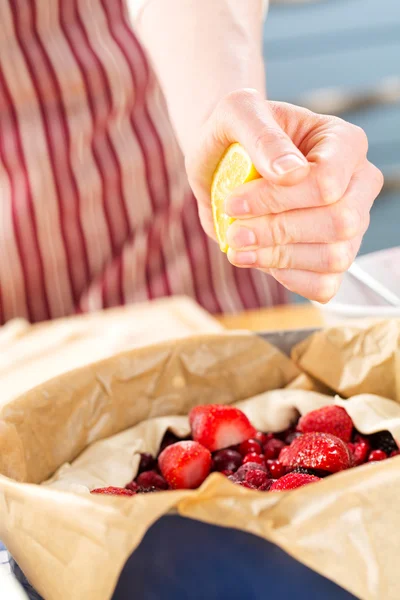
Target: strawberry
{"type": "Point", "coordinates": [317, 451]}
{"type": "Point", "coordinates": [185, 465]}
{"type": "Point", "coordinates": [328, 419]}
{"type": "Point", "coordinates": [291, 481]}
{"type": "Point", "coordinates": [216, 426]}
{"type": "Point", "coordinates": [113, 491]}
{"type": "Point", "coordinates": [359, 452]}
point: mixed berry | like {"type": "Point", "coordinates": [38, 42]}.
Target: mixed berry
{"type": "Point", "coordinates": [322, 442]}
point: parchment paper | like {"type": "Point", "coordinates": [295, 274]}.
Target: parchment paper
{"type": "Point", "coordinates": [345, 527]}
{"type": "Point", "coordinates": [354, 359]}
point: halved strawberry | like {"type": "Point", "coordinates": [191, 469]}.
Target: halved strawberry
{"type": "Point", "coordinates": [113, 491]}
{"type": "Point", "coordinates": [216, 426]}
{"type": "Point", "coordinates": [328, 419]}
{"type": "Point", "coordinates": [291, 481]}
{"type": "Point", "coordinates": [185, 465]}
{"type": "Point", "coordinates": [317, 451]}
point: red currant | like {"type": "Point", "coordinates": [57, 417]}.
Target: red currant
{"type": "Point", "coordinates": [376, 455]}
{"type": "Point", "coordinates": [276, 469]}
{"type": "Point", "coordinates": [249, 446]}
{"type": "Point", "coordinates": [263, 437]}
{"type": "Point", "coordinates": [254, 458]}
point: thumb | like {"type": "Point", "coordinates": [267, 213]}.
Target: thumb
{"type": "Point", "coordinates": [245, 117]}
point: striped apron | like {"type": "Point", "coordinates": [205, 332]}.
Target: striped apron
{"type": "Point", "coordinates": [95, 207]}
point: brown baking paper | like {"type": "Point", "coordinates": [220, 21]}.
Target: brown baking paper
{"type": "Point", "coordinates": [31, 354]}
{"type": "Point", "coordinates": [74, 545]}
{"type": "Point", "coordinates": [354, 359]}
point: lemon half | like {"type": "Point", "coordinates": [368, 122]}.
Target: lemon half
{"type": "Point", "coordinates": [234, 169]}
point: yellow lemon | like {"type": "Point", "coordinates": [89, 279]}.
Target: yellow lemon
{"type": "Point", "coordinates": [234, 169]}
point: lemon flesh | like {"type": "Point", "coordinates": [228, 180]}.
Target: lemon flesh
{"type": "Point", "coordinates": [234, 169]}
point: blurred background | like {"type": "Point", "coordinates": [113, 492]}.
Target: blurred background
{"type": "Point", "coordinates": [343, 57]}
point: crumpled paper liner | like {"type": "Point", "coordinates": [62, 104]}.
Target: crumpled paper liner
{"type": "Point", "coordinates": [31, 354]}
{"type": "Point", "coordinates": [344, 527]}
{"type": "Point", "coordinates": [54, 422]}
{"type": "Point", "coordinates": [354, 359]}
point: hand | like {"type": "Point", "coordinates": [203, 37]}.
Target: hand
{"type": "Point", "coordinates": [303, 222]}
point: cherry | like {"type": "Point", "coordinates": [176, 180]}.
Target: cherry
{"type": "Point", "coordinates": [254, 458]}
{"type": "Point", "coordinates": [276, 469]}
{"type": "Point", "coordinates": [227, 460]}
{"type": "Point", "coordinates": [151, 479]}
{"type": "Point", "coordinates": [273, 448]}
{"type": "Point", "coordinates": [394, 453]}
{"type": "Point", "coordinates": [168, 439]}
{"type": "Point", "coordinates": [376, 455]}
{"type": "Point", "coordinates": [147, 462]}
{"type": "Point", "coordinates": [249, 446]}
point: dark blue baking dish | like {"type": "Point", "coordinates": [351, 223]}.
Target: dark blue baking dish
{"type": "Point", "coordinates": [182, 559]}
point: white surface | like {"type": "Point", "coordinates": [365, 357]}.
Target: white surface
{"type": "Point", "coordinates": [354, 300]}
{"type": "Point", "coordinates": [9, 587]}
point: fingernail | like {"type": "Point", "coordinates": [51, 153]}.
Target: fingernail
{"type": "Point", "coordinates": [242, 258]}
{"type": "Point", "coordinates": [236, 207]}
{"type": "Point", "coordinates": [241, 237]}
{"type": "Point", "coordinates": [288, 163]}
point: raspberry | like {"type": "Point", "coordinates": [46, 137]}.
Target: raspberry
{"type": "Point", "coordinates": [241, 472]}
{"type": "Point", "coordinates": [256, 478]}
{"type": "Point", "coordinates": [359, 452]}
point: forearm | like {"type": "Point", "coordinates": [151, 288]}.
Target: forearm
{"type": "Point", "coordinates": [202, 50]}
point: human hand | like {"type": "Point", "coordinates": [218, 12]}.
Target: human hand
{"type": "Point", "coordinates": [304, 220]}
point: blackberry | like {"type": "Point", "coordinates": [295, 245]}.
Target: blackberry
{"type": "Point", "coordinates": [383, 440]}
{"type": "Point", "coordinates": [148, 490]}
{"type": "Point", "coordinates": [316, 472]}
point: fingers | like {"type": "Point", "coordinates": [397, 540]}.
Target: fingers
{"type": "Point", "coordinates": [320, 258]}
{"type": "Point", "coordinates": [263, 197]}
{"type": "Point", "coordinates": [244, 116]}
{"type": "Point", "coordinates": [320, 288]}
{"type": "Point", "coordinates": [341, 221]}
{"type": "Point", "coordinates": [334, 147]}
{"type": "Point", "coordinates": [330, 174]}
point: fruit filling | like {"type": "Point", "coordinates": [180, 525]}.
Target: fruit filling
{"type": "Point", "coordinates": [321, 443]}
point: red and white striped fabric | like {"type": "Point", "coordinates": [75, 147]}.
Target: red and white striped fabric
{"type": "Point", "coordinates": [95, 208]}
